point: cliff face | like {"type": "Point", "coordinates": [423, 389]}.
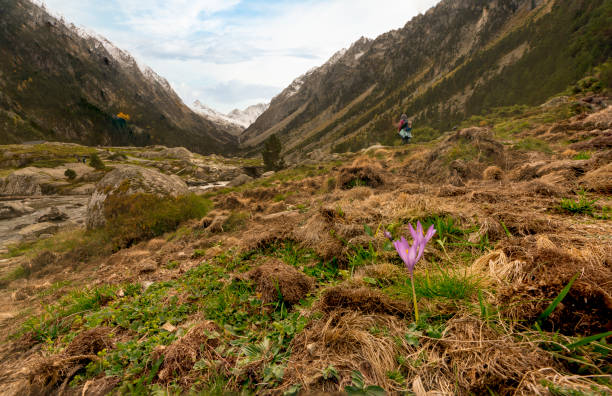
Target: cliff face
{"type": "Point", "coordinates": [460, 58]}
{"type": "Point", "coordinates": [58, 83]}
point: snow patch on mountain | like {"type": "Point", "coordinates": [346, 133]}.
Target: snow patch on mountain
{"type": "Point", "coordinates": [241, 118]}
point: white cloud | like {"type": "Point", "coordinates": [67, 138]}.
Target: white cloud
{"type": "Point", "coordinates": [211, 49]}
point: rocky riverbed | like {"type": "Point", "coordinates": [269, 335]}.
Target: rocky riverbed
{"type": "Point", "coordinates": [38, 217]}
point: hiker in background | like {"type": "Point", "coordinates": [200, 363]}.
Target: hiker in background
{"type": "Point", "coordinates": [405, 129]}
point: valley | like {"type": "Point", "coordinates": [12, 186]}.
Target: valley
{"type": "Point", "coordinates": [303, 247]}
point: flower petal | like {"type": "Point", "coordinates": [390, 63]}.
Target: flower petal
{"type": "Point", "coordinates": [411, 255]}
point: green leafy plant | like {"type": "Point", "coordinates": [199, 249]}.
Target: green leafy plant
{"type": "Point", "coordinates": [330, 373]}
{"type": "Point", "coordinates": [582, 206]}
{"type": "Point", "coordinates": [358, 387]}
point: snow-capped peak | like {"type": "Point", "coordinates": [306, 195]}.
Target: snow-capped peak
{"type": "Point", "coordinates": [241, 118]}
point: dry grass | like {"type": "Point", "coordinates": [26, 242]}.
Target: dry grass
{"type": "Point", "coordinates": [362, 299]}
{"type": "Point", "coordinates": [180, 357]}
{"type": "Point", "coordinates": [52, 374]}
{"type": "Point", "coordinates": [346, 340]}
{"type": "Point", "coordinates": [279, 282]}
{"type": "Point", "coordinates": [599, 180]}
{"type": "Point", "coordinates": [493, 173]}
{"type": "Point", "coordinates": [363, 171]}
{"type": "Point", "coordinates": [538, 268]}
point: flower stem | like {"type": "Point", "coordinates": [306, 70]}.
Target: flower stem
{"type": "Point", "coordinates": [414, 299]}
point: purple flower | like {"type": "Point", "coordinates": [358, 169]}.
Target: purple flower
{"type": "Point", "coordinates": [388, 235]}
{"type": "Point", "coordinates": [411, 255]}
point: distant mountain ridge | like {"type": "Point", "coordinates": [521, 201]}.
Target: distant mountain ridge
{"type": "Point", "coordinates": [458, 59]}
{"type": "Point", "coordinates": [59, 82]}
{"type": "Point", "coordinates": [240, 119]}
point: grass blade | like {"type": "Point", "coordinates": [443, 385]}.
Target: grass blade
{"type": "Point", "coordinates": [557, 300]}
{"type": "Point", "coordinates": [589, 339]}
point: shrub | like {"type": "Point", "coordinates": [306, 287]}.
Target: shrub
{"type": "Point", "coordinates": [70, 174]}
{"type": "Point", "coordinates": [95, 162]}
{"type": "Point", "coordinates": [235, 221]}
{"type": "Point", "coordinates": [134, 218]}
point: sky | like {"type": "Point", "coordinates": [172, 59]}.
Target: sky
{"type": "Point", "coordinates": [234, 53]}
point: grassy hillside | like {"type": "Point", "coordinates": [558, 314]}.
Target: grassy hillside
{"type": "Point", "coordinates": [444, 67]}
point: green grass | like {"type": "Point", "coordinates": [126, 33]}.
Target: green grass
{"type": "Point", "coordinates": [461, 151]}
{"type": "Point", "coordinates": [445, 284]}
{"type": "Point", "coordinates": [533, 144]}
{"type": "Point", "coordinates": [583, 155]}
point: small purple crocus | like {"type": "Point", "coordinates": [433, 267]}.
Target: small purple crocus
{"type": "Point", "coordinates": [388, 235]}
{"type": "Point", "coordinates": [411, 255]}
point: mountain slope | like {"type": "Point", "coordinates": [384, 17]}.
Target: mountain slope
{"type": "Point", "coordinates": [57, 83]}
{"type": "Point", "coordinates": [461, 58]}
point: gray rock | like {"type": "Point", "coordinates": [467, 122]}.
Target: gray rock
{"type": "Point", "coordinates": [132, 180]}
{"type": "Point", "coordinates": [240, 180]}
{"type": "Point", "coordinates": [53, 215]}
{"type": "Point", "coordinates": [35, 230]}
{"type": "Point", "coordinates": [22, 184]}
{"type": "Point", "coordinates": [268, 174]}
{"type": "Point", "coordinates": [177, 152]}
{"type": "Point", "coordinates": [10, 210]}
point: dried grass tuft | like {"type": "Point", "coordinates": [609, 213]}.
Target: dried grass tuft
{"type": "Point", "coordinates": [548, 266]}
{"type": "Point", "coordinates": [363, 171]}
{"type": "Point", "coordinates": [347, 341]}
{"type": "Point", "coordinates": [498, 267]}
{"type": "Point", "coordinates": [52, 374]}
{"type": "Point", "coordinates": [479, 359]}
{"type": "Point", "coordinates": [362, 299]}
{"type": "Point", "coordinates": [493, 173]}
{"type": "Point", "coordinates": [277, 281]}
{"type": "Point", "coordinates": [599, 180]}
{"type": "Point", "coordinates": [180, 357]}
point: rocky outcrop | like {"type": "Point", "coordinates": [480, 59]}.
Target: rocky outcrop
{"type": "Point", "coordinates": [240, 180]}
{"type": "Point", "coordinates": [23, 183]}
{"type": "Point", "coordinates": [10, 210]}
{"type": "Point", "coordinates": [128, 180]}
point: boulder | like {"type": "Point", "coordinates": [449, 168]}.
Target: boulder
{"type": "Point", "coordinates": [53, 215]}
{"type": "Point", "coordinates": [177, 152]}
{"type": "Point", "coordinates": [129, 180]}
{"type": "Point", "coordinates": [24, 182]}
{"type": "Point", "coordinates": [268, 174]}
{"type": "Point", "coordinates": [36, 230]}
{"type": "Point", "coordinates": [10, 210]}
{"type": "Point", "coordinates": [240, 180]}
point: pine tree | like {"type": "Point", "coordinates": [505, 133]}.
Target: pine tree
{"type": "Point", "coordinates": [272, 154]}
